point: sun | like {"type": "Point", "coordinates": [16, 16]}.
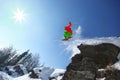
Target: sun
{"type": "Point", "coordinates": [19, 15]}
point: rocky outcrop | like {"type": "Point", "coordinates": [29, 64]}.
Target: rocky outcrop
{"type": "Point", "coordinates": [35, 73]}
{"type": "Point", "coordinates": [84, 66]}
{"type": "Point", "coordinates": [110, 73]}
{"type": "Point", "coordinates": [15, 71]}
{"type": "Point", "coordinates": [4, 76]}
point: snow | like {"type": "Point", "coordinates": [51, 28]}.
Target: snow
{"type": "Point", "coordinates": [25, 77]}
{"type": "Point", "coordinates": [100, 78]}
{"type": "Point", "coordinates": [23, 69]}
{"type": "Point", "coordinates": [4, 76]}
{"type": "Point", "coordinates": [12, 70]}
{"type": "Point", "coordinates": [37, 71]}
{"type": "Point", "coordinates": [117, 65]}
{"type": "Point", "coordinates": [57, 73]}
{"type": "Point", "coordinates": [46, 72]}
{"type": "Point", "coordinates": [101, 69]}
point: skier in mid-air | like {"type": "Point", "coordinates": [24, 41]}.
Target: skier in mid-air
{"type": "Point", "coordinates": [68, 32]}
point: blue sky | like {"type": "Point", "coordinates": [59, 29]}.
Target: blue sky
{"type": "Point", "coordinates": [42, 30]}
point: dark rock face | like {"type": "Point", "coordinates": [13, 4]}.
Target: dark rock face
{"type": "Point", "coordinates": [112, 75]}
{"type": "Point", "coordinates": [103, 54]}
{"type": "Point", "coordinates": [85, 66]}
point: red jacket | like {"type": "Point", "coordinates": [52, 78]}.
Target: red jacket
{"type": "Point", "coordinates": [68, 28]}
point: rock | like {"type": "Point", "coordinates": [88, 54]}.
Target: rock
{"type": "Point", "coordinates": [112, 75]}
{"type": "Point", "coordinates": [20, 69]}
{"type": "Point", "coordinates": [109, 74]}
{"type": "Point", "coordinates": [15, 71]}
{"type": "Point", "coordinates": [35, 73]}
{"type": "Point", "coordinates": [79, 75]}
{"type": "Point", "coordinates": [84, 70]}
{"type": "Point", "coordinates": [4, 76]}
{"type": "Point", "coordinates": [9, 70]}
{"type": "Point", "coordinates": [85, 66]}
{"type": "Point", "coordinates": [103, 54]}
{"type": "Point", "coordinates": [57, 74]}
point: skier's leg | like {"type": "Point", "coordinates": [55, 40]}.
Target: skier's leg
{"type": "Point", "coordinates": [65, 35]}
{"type": "Point", "coordinates": [68, 35]}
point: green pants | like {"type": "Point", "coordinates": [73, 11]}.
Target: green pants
{"type": "Point", "coordinates": [67, 35]}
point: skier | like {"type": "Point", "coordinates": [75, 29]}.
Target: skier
{"type": "Point", "coordinates": [68, 32]}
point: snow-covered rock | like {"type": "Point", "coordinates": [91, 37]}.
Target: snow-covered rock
{"type": "Point", "coordinates": [4, 76]}
{"type": "Point", "coordinates": [44, 73]}
{"type": "Point", "coordinates": [20, 70]}
{"type": "Point", "coordinates": [15, 71]}
{"type": "Point", "coordinates": [47, 73]}
{"type": "Point", "coordinates": [35, 73]}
